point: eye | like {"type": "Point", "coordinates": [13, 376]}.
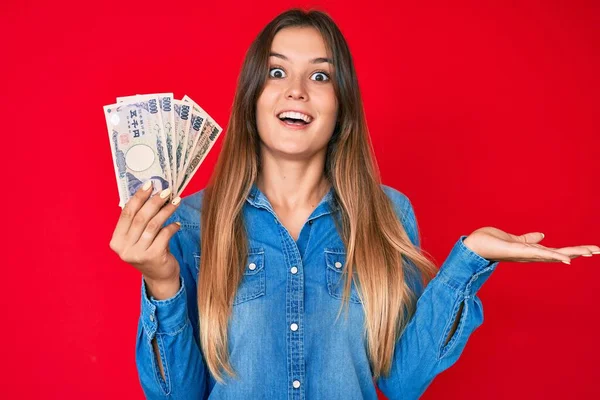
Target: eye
{"type": "Point", "coordinates": [321, 76]}
{"type": "Point", "coordinates": [276, 72]}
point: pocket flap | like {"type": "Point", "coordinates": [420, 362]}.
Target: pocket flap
{"type": "Point", "coordinates": [335, 259]}
{"type": "Point", "coordinates": [256, 262]}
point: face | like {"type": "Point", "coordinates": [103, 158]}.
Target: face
{"type": "Point", "coordinates": [299, 85]}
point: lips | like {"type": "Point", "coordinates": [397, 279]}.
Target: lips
{"type": "Point", "coordinates": [294, 119]}
{"type": "Point", "coordinates": [295, 116]}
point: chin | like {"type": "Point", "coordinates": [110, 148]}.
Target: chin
{"type": "Point", "coordinates": [288, 150]}
{"type": "Point", "coordinates": [292, 151]}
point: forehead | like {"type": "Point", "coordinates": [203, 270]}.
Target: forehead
{"type": "Point", "coordinates": [300, 43]}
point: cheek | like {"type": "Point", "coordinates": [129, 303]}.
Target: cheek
{"type": "Point", "coordinates": [326, 99]}
{"type": "Point", "coordinates": [267, 100]}
{"type": "Point", "coordinates": [265, 106]}
{"type": "Point", "coordinates": [261, 112]}
{"type": "Point", "coordinates": [330, 107]}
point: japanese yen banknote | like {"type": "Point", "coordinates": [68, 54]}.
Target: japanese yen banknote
{"type": "Point", "coordinates": [156, 137]}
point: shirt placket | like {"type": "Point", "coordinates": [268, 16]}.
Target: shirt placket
{"type": "Point", "coordinates": [294, 312]}
{"type": "Point", "coordinates": [296, 371]}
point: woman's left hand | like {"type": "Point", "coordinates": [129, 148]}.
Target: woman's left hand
{"type": "Point", "coordinates": [496, 245]}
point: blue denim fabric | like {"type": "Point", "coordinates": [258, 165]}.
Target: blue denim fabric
{"type": "Point", "coordinates": [284, 342]}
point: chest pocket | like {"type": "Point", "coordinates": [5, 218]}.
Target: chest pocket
{"type": "Point", "coordinates": [252, 284]}
{"type": "Point", "coordinates": [335, 260]}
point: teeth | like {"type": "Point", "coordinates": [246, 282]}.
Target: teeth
{"type": "Point", "coordinates": [295, 115]}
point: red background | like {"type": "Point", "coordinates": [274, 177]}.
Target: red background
{"type": "Point", "coordinates": [483, 115]}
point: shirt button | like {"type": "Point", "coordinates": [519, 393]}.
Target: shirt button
{"type": "Point", "coordinates": [294, 327]}
{"type": "Point", "coordinates": [296, 384]}
{"type": "Point", "coordinates": [294, 270]}
{"type": "Point", "coordinates": [252, 266]}
{"type": "Point", "coordinates": [151, 317]}
{"type": "Point", "coordinates": [310, 222]}
{"type": "Point", "coordinates": [338, 264]}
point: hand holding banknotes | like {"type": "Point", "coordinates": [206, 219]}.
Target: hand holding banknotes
{"type": "Point", "coordinates": [141, 240]}
{"type": "Point", "coordinates": [157, 145]}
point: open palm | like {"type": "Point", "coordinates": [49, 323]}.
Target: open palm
{"type": "Point", "coordinates": [496, 245]}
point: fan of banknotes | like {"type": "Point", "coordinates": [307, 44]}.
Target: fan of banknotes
{"type": "Point", "coordinates": [156, 137]}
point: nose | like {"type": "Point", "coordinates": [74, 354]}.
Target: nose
{"type": "Point", "coordinates": [296, 90]}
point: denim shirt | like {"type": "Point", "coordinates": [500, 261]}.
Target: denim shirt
{"type": "Point", "coordinates": [284, 342]}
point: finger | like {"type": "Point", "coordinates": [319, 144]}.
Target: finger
{"type": "Point", "coordinates": [162, 239]}
{"type": "Point", "coordinates": [532, 237]}
{"type": "Point", "coordinates": [131, 208]}
{"type": "Point", "coordinates": [576, 251]}
{"type": "Point", "coordinates": [546, 254]}
{"type": "Point", "coordinates": [145, 214]}
{"type": "Point", "coordinates": [593, 249]}
{"type": "Point", "coordinates": [156, 224]}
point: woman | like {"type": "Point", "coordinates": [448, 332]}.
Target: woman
{"type": "Point", "coordinates": [248, 306]}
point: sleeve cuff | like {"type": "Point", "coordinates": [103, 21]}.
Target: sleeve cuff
{"type": "Point", "coordinates": [167, 316]}
{"type": "Point", "coordinates": [466, 270]}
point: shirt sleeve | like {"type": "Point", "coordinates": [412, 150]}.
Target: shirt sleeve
{"type": "Point", "coordinates": [171, 322]}
{"type": "Point", "coordinates": [422, 353]}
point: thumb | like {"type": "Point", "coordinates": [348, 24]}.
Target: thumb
{"type": "Point", "coordinates": [532, 237]}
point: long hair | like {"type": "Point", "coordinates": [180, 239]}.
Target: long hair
{"type": "Point", "coordinates": [374, 238]}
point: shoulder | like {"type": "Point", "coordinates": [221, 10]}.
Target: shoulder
{"type": "Point", "coordinates": [400, 201]}
{"type": "Point", "coordinates": [404, 211]}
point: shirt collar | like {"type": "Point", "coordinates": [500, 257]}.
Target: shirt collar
{"type": "Point", "coordinates": [327, 205]}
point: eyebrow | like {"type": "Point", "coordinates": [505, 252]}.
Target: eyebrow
{"type": "Point", "coordinates": [317, 60]}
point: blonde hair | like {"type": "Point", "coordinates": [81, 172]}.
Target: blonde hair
{"type": "Point", "coordinates": [378, 249]}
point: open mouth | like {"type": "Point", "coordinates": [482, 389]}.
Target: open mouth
{"type": "Point", "coordinates": [292, 121]}
{"type": "Point", "coordinates": [293, 118]}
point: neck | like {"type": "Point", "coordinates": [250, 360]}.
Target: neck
{"type": "Point", "coordinates": [293, 184]}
